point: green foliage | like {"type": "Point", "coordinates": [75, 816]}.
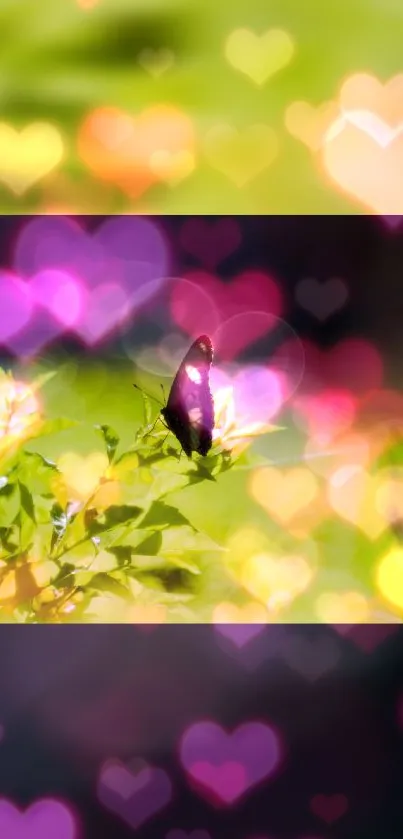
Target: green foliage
{"type": "Point", "coordinates": [110, 438]}
{"type": "Point", "coordinates": [66, 556]}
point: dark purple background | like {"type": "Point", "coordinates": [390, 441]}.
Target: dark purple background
{"type": "Point", "coordinates": [72, 697]}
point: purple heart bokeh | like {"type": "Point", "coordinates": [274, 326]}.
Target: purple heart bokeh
{"type": "Point", "coordinates": [393, 222]}
{"type": "Point", "coordinates": [228, 765]}
{"type": "Point", "coordinates": [251, 649]}
{"type": "Point", "coordinates": [70, 279]}
{"type": "Point", "coordinates": [44, 818]}
{"type": "Point", "coordinates": [134, 797]}
{"type": "Point", "coordinates": [34, 313]}
{"type": "Point", "coordinates": [367, 637]}
{"type": "Point", "coordinates": [15, 306]}
{"type": "Point", "coordinates": [240, 633]}
{"type": "Point", "coordinates": [311, 658]}
{"type": "Point", "coordinates": [210, 242]}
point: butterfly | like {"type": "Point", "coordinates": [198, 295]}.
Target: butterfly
{"type": "Point", "coordinates": [189, 412]}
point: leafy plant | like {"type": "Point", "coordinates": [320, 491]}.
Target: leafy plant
{"type": "Point", "coordinates": [99, 553]}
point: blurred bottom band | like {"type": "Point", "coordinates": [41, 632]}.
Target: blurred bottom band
{"type": "Point", "coordinates": [244, 732]}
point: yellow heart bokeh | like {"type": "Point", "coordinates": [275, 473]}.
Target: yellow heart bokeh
{"type": "Point", "coordinates": [156, 62]}
{"type": "Point", "coordinates": [259, 56]}
{"type": "Point", "coordinates": [241, 155]}
{"type": "Point", "coordinates": [27, 156]}
{"type": "Point", "coordinates": [284, 495]}
{"type": "Point", "coordinates": [309, 124]}
{"type": "Point", "coordinates": [276, 580]}
{"type": "Point", "coordinates": [172, 167]}
{"type": "Point", "coordinates": [230, 613]}
{"type": "Point", "coordinates": [363, 148]}
{"type": "Point", "coordinates": [343, 607]}
{"type": "Point", "coordinates": [370, 502]}
{"type": "Point", "coordinates": [82, 474]}
{"type": "Point", "coordinates": [389, 495]}
{"type": "Point", "coordinates": [349, 449]}
{"type": "Point", "coordinates": [151, 613]}
{"type": "Point", "coordinates": [363, 92]}
{"type": "Point", "coordinates": [389, 577]}
{"type": "Point", "coordinates": [364, 157]}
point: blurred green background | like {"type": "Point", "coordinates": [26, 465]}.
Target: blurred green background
{"type": "Point", "coordinates": [61, 61]}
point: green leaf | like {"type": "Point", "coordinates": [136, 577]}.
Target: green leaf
{"type": "Point", "coordinates": [185, 538]}
{"type": "Point", "coordinates": [27, 532]}
{"type": "Point", "coordinates": [36, 460]}
{"type": "Point", "coordinates": [37, 473]}
{"type": "Point", "coordinates": [104, 561]}
{"type": "Point", "coordinates": [201, 473]}
{"type": "Point", "coordinates": [150, 546]}
{"type": "Point", "coordinates": [125, 464]}
{"type": "Point", "coordinates": [122, 537]}
{"type": "Point", "coordinates": [166, 482]}
{"type": "Point", "coordinates": [27, 502]}
{"type": "Point", "coordinates": [27, 517]}
{"type": "Point", "coordinates": [9, 504]}
{"type": "Point", "coordinates": [9, 539]}
{"type": "Point", "coordinates": [105, 582]}
{"type": "Point", "coordinates": [167, 568]}
{"type": "Point", "coordinates": [111, 440]}
{"type": "Point", "coordinates": [60, 521]}
{"type": "Point", "coordinates": [65, 578]}
{"type": "Point", "coordinates": [114, 517]}
{"type": "Point", "coordinates": [162, 515]}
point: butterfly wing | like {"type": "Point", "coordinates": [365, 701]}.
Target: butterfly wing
{"type": "Point", "coordinates": [189, 412]}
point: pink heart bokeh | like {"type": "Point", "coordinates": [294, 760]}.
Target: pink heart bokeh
{"type": "Point", "coordinates": [38, 310]}
{"type": "Point", "coordinates": [311, 658]}
{"type": "Point", "coordinates": [224, 766]}
{"type": "Point", "coordinates": [251, 293]}
{"type": "Point", "coordinates": [211, 242]}
{"type": "Point", "coordinates": [67, 279]}
{"type": "Point", "coordinates": [135, 797]}
{"type": "Point", "coordinates": [325, 415]}
{"type": "Point", "coordinates": [45, 818]}
{"type": "Point", "coordinates": [15, 306]}
{"type": "Point", "coordinates": [329, 808]}
{"type": "Point", "coordinates": [258, 392]}
{"type": "Point", "coordinates": [240, 634]}
{"type": "Point", "coordinates": [353, 365]}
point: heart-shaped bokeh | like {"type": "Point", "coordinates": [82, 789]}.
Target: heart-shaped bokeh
{"type": "Point", "coordinates": [44, 818]}
{"type": "Point", "coordinates": [211, 242]}
{"type": "Point", "coordinates": [69, 280]}
{"type": "Point", "coordinates": [354, 364]}
{"type": "Point", "coordinates": [225, 766]}
{"type": "Point", "coordinates": [135, 797]}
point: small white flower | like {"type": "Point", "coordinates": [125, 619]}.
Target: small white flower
{"type": "Point", "coordinates": [19, 411]}
{"type": "Point", "coordinates": [232, 431]}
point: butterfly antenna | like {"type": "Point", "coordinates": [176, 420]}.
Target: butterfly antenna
{"type": "Point", "coordinates": [149, 395]}
{"type": "Point", "coordinates": [163, 394]}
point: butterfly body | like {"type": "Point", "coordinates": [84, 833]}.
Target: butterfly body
{"type": "Point", "coordinates": [189, 412]}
